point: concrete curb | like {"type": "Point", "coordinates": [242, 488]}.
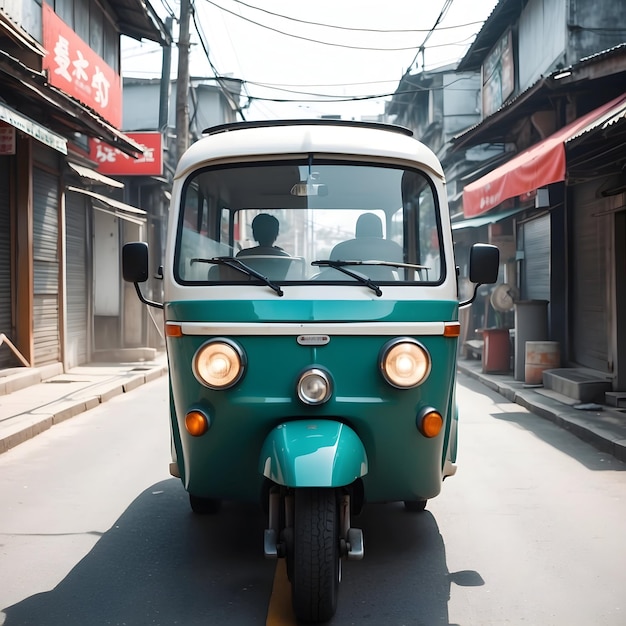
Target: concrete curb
{"type": "Point", "coordinates": [602, 429]}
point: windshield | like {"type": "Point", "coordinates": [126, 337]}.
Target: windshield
{"type": "Point", "coordinates": [309, 220]}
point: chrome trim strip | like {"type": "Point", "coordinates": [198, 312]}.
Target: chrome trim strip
{"type": "Point", "coordinates": [319, 328]}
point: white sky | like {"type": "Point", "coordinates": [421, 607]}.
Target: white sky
{"type": "Point", "coordinates": [297, 68]}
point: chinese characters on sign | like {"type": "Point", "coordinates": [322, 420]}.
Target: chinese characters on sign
{"type": "Point", "coordinates": [76, 69]}
{"type": "Point", "coordinates": [114, 162]}
{"type": "Point", "coordinates": [7, 139]}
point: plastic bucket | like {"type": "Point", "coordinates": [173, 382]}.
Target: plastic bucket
{"type": "Point", "coordinates": [496, 350]}
{"type": "Point", "coordinates": [540, 356]}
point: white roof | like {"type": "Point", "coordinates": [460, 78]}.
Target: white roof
{"type": "Point", "coordinates": [247, 141]}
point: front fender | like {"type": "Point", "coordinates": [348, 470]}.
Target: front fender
{"type": "Point", "coordinates": [318, 453]}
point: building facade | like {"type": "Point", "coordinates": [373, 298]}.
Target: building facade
{"type": "Point", "coordinates": [61, 88]}
{"type": "Point", "coordinates": [551, 193]}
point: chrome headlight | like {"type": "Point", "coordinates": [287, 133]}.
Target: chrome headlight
{"type": "Point", "coordinates": [404, 363]}
{"type": "Point", "coordinates": [314, 387]}
{"type": "Point", "coordinates": [219, 364]}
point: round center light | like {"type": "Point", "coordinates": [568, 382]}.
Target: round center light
{"type": "Point", "coordinates": [314, 387]}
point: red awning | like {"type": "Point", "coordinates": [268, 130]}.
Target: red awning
{"type": "Point", "coordinates": [536, 167]}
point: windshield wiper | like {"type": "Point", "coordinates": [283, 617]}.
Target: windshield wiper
{"type": "Point", "coordinates": [239, 266]}
{"type": "Point", "coordinates": [340, 265]}
{"type": "Point", "coordinates": [389, 263]}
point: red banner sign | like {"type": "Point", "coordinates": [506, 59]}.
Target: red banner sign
{"type": "Point", "coordinates": [76, 69]}
{"type": "Point", "coordinates": [114, 162]}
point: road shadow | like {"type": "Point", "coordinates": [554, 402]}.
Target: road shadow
{"type": "Point", "coordinates": [162, 565]}
{"type": "Point", "coordinates": [404, 578]}
{"type": "Point", "coordinates": [559, 436]}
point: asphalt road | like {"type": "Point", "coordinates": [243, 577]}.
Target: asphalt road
{"type": "Point", "coordinates": [93, 531]}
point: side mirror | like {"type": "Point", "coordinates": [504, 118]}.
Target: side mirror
{"type": "Point", "coordinates": [135, 262]}
{"type": "Point", "coordinates": [483, 267]}
{"type": "Point", "coordinates": [483, 264]}
{"type": "Point", "coordinates": [135, 268]}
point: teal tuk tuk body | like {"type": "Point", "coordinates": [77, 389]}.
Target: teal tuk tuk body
{"type": "Point", "coordinates": [311, 317]}
{"type": "Point", "coordinates": [392, 457]}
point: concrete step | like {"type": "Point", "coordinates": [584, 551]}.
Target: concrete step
{"type": "Point", "coordinates": [124, 355]}
{"type": "Point", "coordinates": [17, 378]}
{"type": "Point", "coordinates": [616, 398]}
{"type": "Point", "coordinates": [577, 383]}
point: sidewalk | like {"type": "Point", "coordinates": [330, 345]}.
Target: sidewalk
{"type": "Point", "coordinates": [35, 399]}
{"type": "Point", "coordinates": [601, 426]}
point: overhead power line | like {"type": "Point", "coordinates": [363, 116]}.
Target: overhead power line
{"type": "Point", "coordinates": [345, 28]}
{"type": "Point", "coordinates": [220, 80]}
{"type": "Point", "coordinates": [332, 43]}
{"type": "Point", "coordinates": [446, 5]}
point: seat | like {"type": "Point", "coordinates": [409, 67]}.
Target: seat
{"type": "Point", "coordinates": [369, 245]}
{"type": "Point", "coordinates": [272, 266]}
{"type": "Point", "coordinates": [367, 249]}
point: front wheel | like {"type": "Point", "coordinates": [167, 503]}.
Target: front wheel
{"type": "Point", "coordinates": [316, 557]}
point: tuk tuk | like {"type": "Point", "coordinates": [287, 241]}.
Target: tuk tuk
{"type": "Point", "coordinates": [311, 320]}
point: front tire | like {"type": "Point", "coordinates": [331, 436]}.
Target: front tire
{"type": "Point", "coordinates": [316, 557]}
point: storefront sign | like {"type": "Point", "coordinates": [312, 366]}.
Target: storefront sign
{"type": "Point", "coordinates": [32, 128]}
{"type": "Point", "coordinates": [76, 69]}
{"type": "Point", "coordinates": [114, 162]}
{"type": "Point", "coordinates": [498, 75]}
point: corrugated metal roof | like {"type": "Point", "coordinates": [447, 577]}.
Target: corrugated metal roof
{"type": "Point", "coordinates": [138, 19]}
{"type": "Point", "coordinates": [615, 115]}
{"type": "Point", "coordinates": [95, 176]}
{"type": "Point", "coordinates": [531, 98]}
{"type": "Point", "coordinates": [503, 15]}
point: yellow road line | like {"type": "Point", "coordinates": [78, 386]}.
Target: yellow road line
{"type": "Point", "coordinates": [280, 612]}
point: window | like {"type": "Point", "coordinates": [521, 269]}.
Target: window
{"type": "Point", "coordinates": [382, 222]}
{"type": "Point", "coordinates": [96, 30]}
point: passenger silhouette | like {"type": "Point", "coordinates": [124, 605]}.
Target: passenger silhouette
{"type": "Point", "coordinates": [265, 229]}
{"type": "Point", "coordinates": [368, 243]}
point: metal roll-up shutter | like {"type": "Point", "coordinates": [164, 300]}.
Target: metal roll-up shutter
{"type": "Point", "coordinates": [590, 318]}
{"type": "Point", "coordinates": [77, 291]}
{"type": "Point", "coordinates": [536, 267]}
{"type": "Point", "coordinates": [45, 268]}
{"type": "Point", "coordinates": [6, 356]}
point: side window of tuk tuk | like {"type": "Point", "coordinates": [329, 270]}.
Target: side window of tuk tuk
{"type": "Point", "coordinates": [198, 237]}
{"type": "Point", "coordinates": [422, 226]}
{"type": "Point", "coordinates": [429, 239]}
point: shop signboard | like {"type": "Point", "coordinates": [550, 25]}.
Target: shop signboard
{"type": "Point", "coordinates": [112, 161]}
{"type": "Point", "coordinates": [78, 71]}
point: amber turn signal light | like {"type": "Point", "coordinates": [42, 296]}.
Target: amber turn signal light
{"type": "Point", "coordinates": [430, 423]}
{"type": "Point", "coordinates": [196, 423]}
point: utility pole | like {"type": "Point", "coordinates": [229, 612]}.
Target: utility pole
{"type": "Point", "coordinates": [164, 96]}
{"type": "Point", "coordinates": [182, 82]}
